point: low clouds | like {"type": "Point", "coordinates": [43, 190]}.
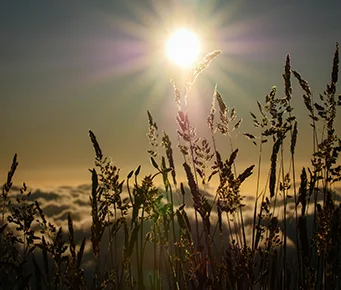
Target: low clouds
{"type": "Point", "coordinates": [59, 202]}
{"type": "Point", "coordinates": [47, 196]}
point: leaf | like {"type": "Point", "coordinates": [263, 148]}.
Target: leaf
{"type": "Point", "coordinates": [167, 170]}
{"type": "Point", "coordinates": [71, 237]}
{"type": "Point", "coordinates": [154, 163]}
{"type": "Point", "coordinates": [80, 253]}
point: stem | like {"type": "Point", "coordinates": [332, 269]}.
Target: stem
{"type": "Point", "coordinates": [284, 219]}
{"type": "Point", "coordinates": [140, 262]}
{"type": "Point", "coordinates": [257, 193]}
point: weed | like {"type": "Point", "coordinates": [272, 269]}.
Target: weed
{"type": "Point", "coordinates": [144, 237]}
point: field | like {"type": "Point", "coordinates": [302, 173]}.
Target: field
{"type": "Point", "coordinates": [177, 236]}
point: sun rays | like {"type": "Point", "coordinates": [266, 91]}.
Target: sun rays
{"type": "Point", "coordinates": [141, 44]}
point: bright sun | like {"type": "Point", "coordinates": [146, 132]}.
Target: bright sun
{"type": "Point", "coordinates": [183, 47]}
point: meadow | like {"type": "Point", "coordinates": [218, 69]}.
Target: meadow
{"type": "Point", "coordinates": [177, 236]}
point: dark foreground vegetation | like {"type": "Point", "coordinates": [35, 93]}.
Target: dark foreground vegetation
{"type": "Point", "coordinates": [146, 237]}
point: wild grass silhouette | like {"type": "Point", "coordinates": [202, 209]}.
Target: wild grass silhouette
{"type": "Point", "coordinates": [146, 237]}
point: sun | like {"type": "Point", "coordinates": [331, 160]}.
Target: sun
{"type": "Point", "coordinates": [183, 47]}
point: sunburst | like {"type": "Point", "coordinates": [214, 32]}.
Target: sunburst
{"type": "Point", "coordinates": [143, 58]}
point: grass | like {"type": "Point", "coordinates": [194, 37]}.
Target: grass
{"type": "Point", "coordinates": [144, 237]}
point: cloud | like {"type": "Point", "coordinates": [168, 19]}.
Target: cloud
{"type": "Point", "coordinates": [59, 202]}
{"type": "Point", "coordinates": [38, 194]}
{"type": "Point", "coordinates": [51, 210]}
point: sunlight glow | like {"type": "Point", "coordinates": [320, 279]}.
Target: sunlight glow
{"type": "Point", "coordinates": [157, 41]}
{"type": "Point", "coordinates": [183, 47]}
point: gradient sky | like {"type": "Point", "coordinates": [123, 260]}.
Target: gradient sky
{"type": "Point", "coordinates": [70, 66]}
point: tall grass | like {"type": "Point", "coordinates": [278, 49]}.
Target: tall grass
{"type": "Point", "coordinates": [144, 237]}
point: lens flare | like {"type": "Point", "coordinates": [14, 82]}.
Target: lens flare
{"type": "Point", "coordinates": [183, 47]}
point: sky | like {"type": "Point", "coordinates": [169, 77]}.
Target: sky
{"type": "Point", "coordinates": [67, 67]}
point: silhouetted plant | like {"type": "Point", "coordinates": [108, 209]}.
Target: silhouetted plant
{"type": "Point", "coordinates": [143, 236]}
